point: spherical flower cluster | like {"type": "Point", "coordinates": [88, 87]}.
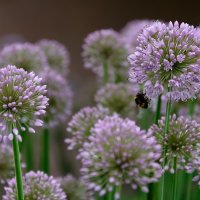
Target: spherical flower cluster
{"type": "Point", "coordinates": [73, 188]}
{"type": "Point", "coordinates": [6, 163]}
{"type": "Point", "coordinates": [81, 123]}
{"type": "Point", "coordinates": [37, 185]}
{"type": "Point", "coordinates": [60, 97]}
{"type": "Point", "coordinates": [117, 153]}
{"type": "Point", "coordinates": [57, 55]}
{"type": "Point", "coordinates": [181, 141]}
{"type": "Point", "coordinates": [132, 30]}
{"type": "Point", "coordinates": [118, 98]}
{"type": "Point", "coordinates": [167, 60]}
{"type": "Point", "coordinates": [22, 101]}
{"type": "Point", "coordinates": [23, 55]}
{"type": "Point", "coordinates": [105, 47]}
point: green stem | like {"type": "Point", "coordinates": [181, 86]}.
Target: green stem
{"type": "Point", "coordinates": [105, 72]}
{"type": "Point", "coordinates": [174, 184]}
{"type": "Point", "coordinates": [18, 171]}
{"type": "Point", "coordinates": [188, 185]}
{"type": "Point", "coordinates": [119, 192]}
{"type": "Point", "coordinates": [29, 153]}
{"type": "Point", "coordinates": [158, 110]}
{"type": "Point", "coordinates": [166, 129]}
{"type": "Point", "coordinates": [152, 194]}
{"type": "Point", "coordinates": [45, 151]}
{"type": "Point", "coordinates": [192, 104]}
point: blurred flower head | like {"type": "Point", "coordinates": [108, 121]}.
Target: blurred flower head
{"type": "Point", "coordinates": [6, 163]}
{"type": "Point", "coordinates": [106, 47]}
{"type": "Point", "coordinates": [23, 55]}
{"type": "Point", "coordinates": [117, 153]}
{"type": "Point", "coordinates": [37, 185]}
{"type": "Point", "coordinates": [73, 188]}
{"type": "Point", "coordinates": [132, 30]}
{"type": "Point", "coordinates": [181, 141]}
{"type": "Point", "coordinates": [22, 101]}
{"type": "Point", "coordinates": [57, 55]}
{"type": "Point", "coordinates": [81, 123]}
{"type": "Point", "coordinates": [118, 98]}
{"type": "Point", "coordinates": [60, 97]}
{"type": "Point", "coordinates": [167, 56]}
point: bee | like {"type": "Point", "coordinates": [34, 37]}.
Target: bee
{"type": "Point", "coordinates": [142, 100]}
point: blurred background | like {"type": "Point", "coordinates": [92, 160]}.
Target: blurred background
{"type": "Point", "coordinates": [69, 22]}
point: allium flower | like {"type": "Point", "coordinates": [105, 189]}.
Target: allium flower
{"type": "Point", "coordinates": [132, 30]}
{"type": "Point", "coordinates": [81, 123]}
{"type": "Point", "coordinates": [118, 98]}
{"type": "Point", "coordinates": [6, 163]}
{"type": "Point", "coordinates": [57, 55]}
{"type": "Point", "coordinates": [60, 97]}
{"type": "Point", "coordinates": [168, 56]}
{"type": "Point", "coordinates": [118, 152]}
{"type": "Point", "coordinates": [105, 46]}
{"type": "Point", "coordinates": [22, 100]}
{"type": "Point", "coordinates": [37, 186]}
{"type": "Point", "coordinates": [73, 188]}
{"type": "Point", "coordinates": [23, 55]}
{"type": "Point", "coordinates": [181, 141]}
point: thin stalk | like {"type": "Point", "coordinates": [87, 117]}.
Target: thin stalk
{"type": "Point", "coordinates": [174, 183]}
{"type": "Point", "coordinates": [166, 129]}
{"type": "Point", "coordinates": [105, 72]}
{"type": "Point", "coordinates": [18, 171]}
{"type": "Point", "coordinates": [109, 196]}
{"type": "Point", "coordinates": [29, 153]}
{"type": "Point", "coordinates": [192, 104]}
{"type": "Point", "coordinates": [158, 110]}
{"type": "Point", "coordinates": [152, 194]}
{"type": "Point", "coordinates": [45, 151]}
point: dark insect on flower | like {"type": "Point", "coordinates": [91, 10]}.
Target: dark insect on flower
{"type": "Point", "coordinates": [142, 100]}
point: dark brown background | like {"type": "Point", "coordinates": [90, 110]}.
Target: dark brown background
{"type": "Point", "coordinates": [69, 22]}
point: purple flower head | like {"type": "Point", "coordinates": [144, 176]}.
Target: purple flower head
{"type": "Point", "coordinates": [105, 46]}
{"type": "Point", "coordinates": [6, 163]}
{"type": "Point", "coordinates": [57, 55]}
{"type": "Point", "coordinates": [117, 153]}
{"type": "Point", "coordinates": [23, 55]}
{"type": "Point", "coordinates": [118, 98]}
{"type": "Point", "coordinates": [81, 123]}
{"type": "Point", "coordinates": [22, 101]}
{"type": "Point", "coordinates": [182, 140]}
{"type": "Point", "coordinates": [60, 97]}
{"type": "Point", "coordinates": [132, 30]}
{"type": "Point", "coordinates": [37, 185]}
{"type": "Point", "coordinates": [167, 56]}
{"type": "Point", "coordinates": [73, 188]}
